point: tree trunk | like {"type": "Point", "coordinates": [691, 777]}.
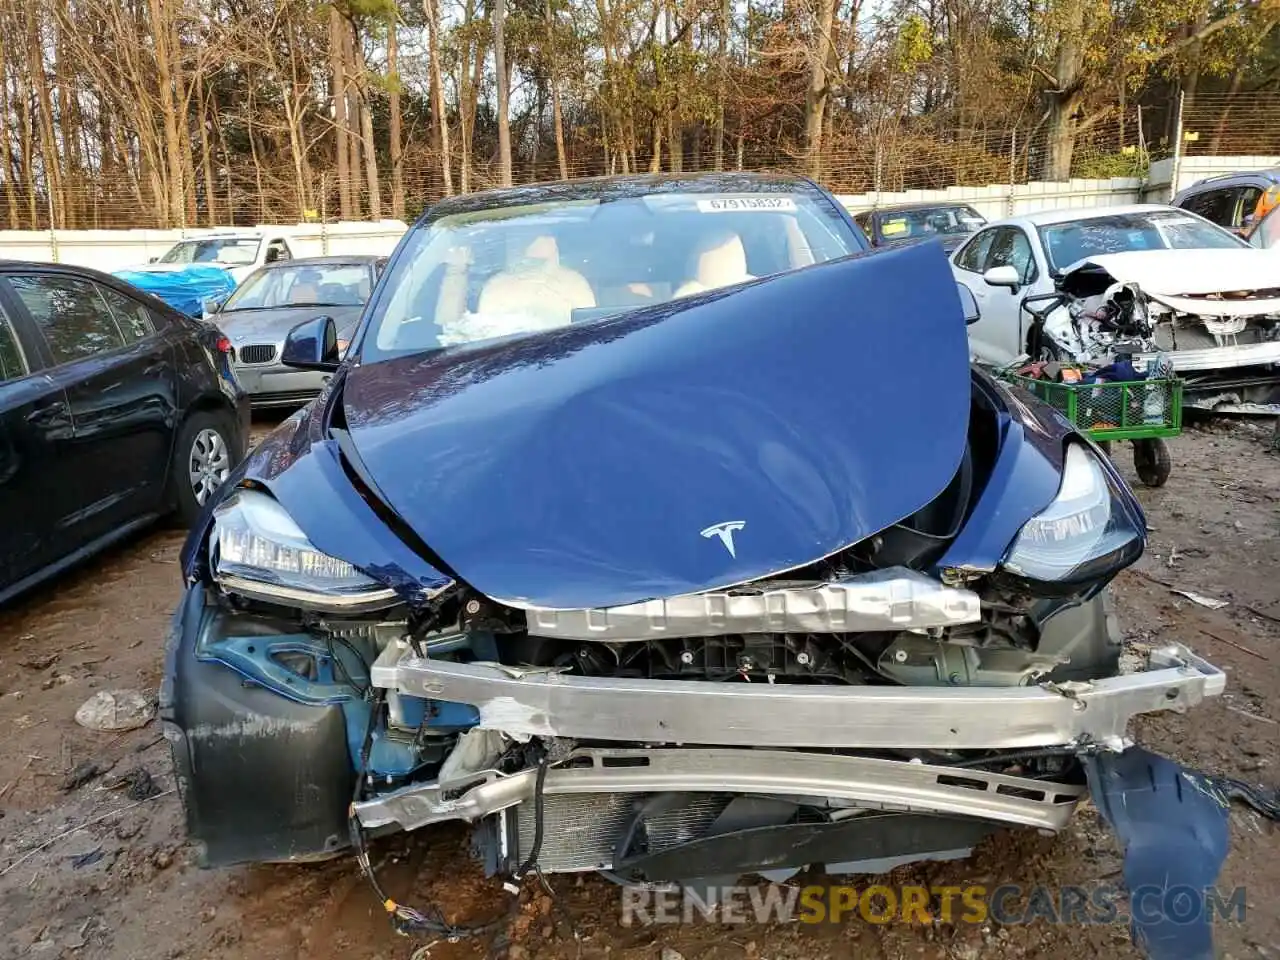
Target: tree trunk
{"type": "Point", "coordinates": [161, 40]}
{"type": "Point", "coordinates": [471, 86]}
{"type": "Point", "coordinates": [182, 102]}
{"type": "Point", "coordinates": [396, 150]}
{"type": "Point", "coordinates": [50, 157]}
{"type": "Point", "coordinates": [354, 111]}
{"type": "Point", "coordinates": [339, 96]}
{"type": "Point", "coordinates": [7, 169]}
{"type": "Point", "coordinates": [206, 158]}
{"type": "Point", "coordinates": [557, 118]}
{"type": "Point", "coordinates": [1067, 98]}
{"type": "Point", "coordinates": [367, 147]}
{"type": "Point", "coordinates": [722, 81]}
{"type": "Point", "coordinates": [816, 96]}
{"type": "Point", "coordinates": [503, 80]}
{"type": "Point", "coordinates": [438, 113]}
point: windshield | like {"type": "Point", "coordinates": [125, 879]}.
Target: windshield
{"type": "Point", "coordinates": [303, 284]}
{"type": "Point", "coordinates": [950, 220]}
{"type": "Point", "coordinates": [516, 269]}
{"type": "Point", "coordinates": [234, 251]}
{"type": "Point", "coordinates": [1067, 243]}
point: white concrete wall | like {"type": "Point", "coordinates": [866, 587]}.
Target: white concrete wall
{"type": "Point", "coordinates": [116, 249]}
{"type": "Point", "coordinates": [998, 201]}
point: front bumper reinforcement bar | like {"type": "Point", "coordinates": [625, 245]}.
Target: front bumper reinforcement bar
{"type": "Point", "coordinates": [868, 782]}
{"type": "Point", "coordinates": [545, 703]}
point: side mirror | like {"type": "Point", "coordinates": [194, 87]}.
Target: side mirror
{"type": "Point", "coordinates": [214, 304]}
{"type": "Point", "coordinates": [312, 345]}
{"type": "Point", "coordinates": [969, 303]}
{"type": "Point", "coordinates": [1005, 276]}
{"type": "Point", "coordinates": [153, 259]}
{"type": "Point", "coordinates": [273, 254]}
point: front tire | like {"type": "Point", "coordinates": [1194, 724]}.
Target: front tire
{"type": "Point", "coordinates": [203, 458]}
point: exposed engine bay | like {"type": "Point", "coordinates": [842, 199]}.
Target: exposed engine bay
{"type": "Point", "coordinates": [1218, 336]}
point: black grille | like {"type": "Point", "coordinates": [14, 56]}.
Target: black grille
{"type": "Point", "coordinates": [257, 353]}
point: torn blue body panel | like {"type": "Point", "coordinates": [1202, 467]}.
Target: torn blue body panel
{"type": "Point", "coordinates": [1172, 824]}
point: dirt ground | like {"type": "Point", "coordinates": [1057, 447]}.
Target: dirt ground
{"type": "Point", "coordinates": [125, 887]}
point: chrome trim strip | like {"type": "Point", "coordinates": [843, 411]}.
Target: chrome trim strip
{"type": "Point", "coordinates": [867, 782]}
{"type": "Point", "coordinates": [1215, 358]}
{"type": "Point", "coordinates": [894, 599]}
{"type": "Point", "coordinates": [540, 702]}
{"type": "Point", "coordinates": [364, 602]}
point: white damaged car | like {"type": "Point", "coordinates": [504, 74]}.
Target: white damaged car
{"type": "Point", "coordinates": [1130, 281]}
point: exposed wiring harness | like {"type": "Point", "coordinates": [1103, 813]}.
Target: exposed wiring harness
{"type": "Point", "coordinates": [409, 921]}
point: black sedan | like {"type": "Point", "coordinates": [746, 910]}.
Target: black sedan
{"type": "Point", "coordinates": [115, 409]}
{"type": "Point", "coordinates": [948, 222]}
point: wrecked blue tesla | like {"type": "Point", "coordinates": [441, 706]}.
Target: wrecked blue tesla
{"type": "Point", "coordinates": [656, 527]}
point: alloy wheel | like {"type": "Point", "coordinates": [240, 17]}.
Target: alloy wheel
{"type": "Point", "coordinates": [209, 464]}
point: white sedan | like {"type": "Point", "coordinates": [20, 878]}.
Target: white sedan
{"type": "Point", "coordinates": [1020, 257]}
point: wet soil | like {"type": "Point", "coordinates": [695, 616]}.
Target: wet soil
{"type": "Point", "coordinates": [94, 871]}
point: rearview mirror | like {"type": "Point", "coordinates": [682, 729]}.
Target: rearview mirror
{"type": "Point", "coordinates": [969, 303]}
{"type": "Point", "coordinates": [1004, 276]}
{"type": "Point", "coordinates": [312, 345]}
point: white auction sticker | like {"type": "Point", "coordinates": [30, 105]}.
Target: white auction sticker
{"type": "Point", "coordinates": [740, 204]}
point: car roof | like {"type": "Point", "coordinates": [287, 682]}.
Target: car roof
{"type": "Point", "coordinates": [1269, 175]}
{"type": "Point", "coordinates": [226, 235]}
{"type": "Point", "coordinates": [335, 260]}
{"type": "Point", "coordinates": [1043, 218]}
{"type": "Point", "coordinates": [921, 205]}
{"type": "Point", "coordinates": [623, 187]}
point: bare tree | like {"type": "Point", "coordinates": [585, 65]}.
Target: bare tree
{"type": "Point", "coordinates": [503, 80]}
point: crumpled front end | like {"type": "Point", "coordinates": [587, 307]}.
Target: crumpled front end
{"type": "Point", "coordinates": [1214, 315]}
{"type": "Point", "coordinates": [935, 668]}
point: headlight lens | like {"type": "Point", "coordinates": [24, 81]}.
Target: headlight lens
{"type": "Point", "coordinates": [259, 552]}
{"type": "Point", "coordinates": [1080, 534]}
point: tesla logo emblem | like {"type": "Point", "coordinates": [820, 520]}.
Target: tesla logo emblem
{"type": "Point", "coordinates": [725, 532]}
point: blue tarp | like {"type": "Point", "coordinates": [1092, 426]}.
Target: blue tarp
{"type": "Point", "coordinates": [186, 289]}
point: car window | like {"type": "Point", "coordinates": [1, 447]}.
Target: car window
{"type": "Point", "coordinates": [1249, 198]}
{"type": "Point", "coordinates": [133, 319]}
{"type": "Point", "coordinates": [13, 365]}
{"type": "Point", "coordinates": [74, 320]}
{"type": "Point", "coordinates": [973, 254]}
{"type": "Point", "coordinates": [944, 220]}
{"type": "Point", "coordinates": [303, 283]}
{"type": "Point", "coordinates": [1011, 248]}
{"type": "Point", "coordinates": [1218, 206]}
{"type": "Point", "coordinates": [1158, 229]}
{"type": "Point", "coordinates": [230, 251]}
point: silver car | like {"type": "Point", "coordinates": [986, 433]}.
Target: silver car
{"type": "Point", "coordinates": [273, 300]}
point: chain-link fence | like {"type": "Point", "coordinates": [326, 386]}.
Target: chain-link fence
{"type": "Point", "coordinates": [895, 154]}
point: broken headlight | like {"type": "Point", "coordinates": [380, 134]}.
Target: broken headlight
{"type": "Point", "coordinates": [257, 551]}
{"type": "Point", "coordinates": [1083, 535]}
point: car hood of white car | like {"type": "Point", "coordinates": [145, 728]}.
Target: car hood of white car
{"type": "Point", "coordinates": [1226, 282]}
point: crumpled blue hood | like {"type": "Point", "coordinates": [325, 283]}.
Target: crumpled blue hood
{"type": "Point", "coordinates": [703, 443]}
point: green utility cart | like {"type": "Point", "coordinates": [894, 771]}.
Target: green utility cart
{"type": "Point", "coordinates": [1144, 412]}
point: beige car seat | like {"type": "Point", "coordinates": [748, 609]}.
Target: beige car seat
{"type": "Point", "coordinates": [719, 261]}
{"type": "Point", "coordinates": [538, 289]}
